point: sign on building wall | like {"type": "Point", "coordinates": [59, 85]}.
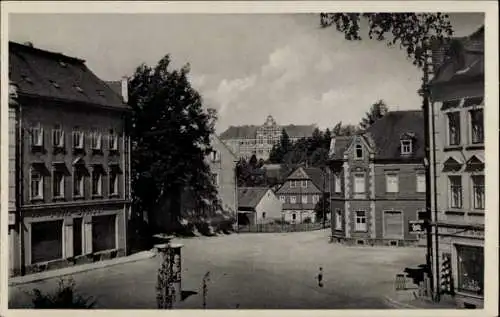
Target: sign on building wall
{"type": "Point", "coordinates": [417, 226]}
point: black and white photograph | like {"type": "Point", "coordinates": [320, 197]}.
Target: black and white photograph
{"type": "Point", "coordinates": [308, 160]}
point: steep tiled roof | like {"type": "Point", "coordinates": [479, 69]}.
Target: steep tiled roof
{"type": "Point", "coordinates": [116, 86]}
{"type": "Point", "coordinates": [239, 132]}
{"type": "Point", "coordinates": [340, 145]}
{"type": "Point", "coordinates": [299, 131]}
{"type": "Point", "coordinates": [52, 75]}
{"type": "Point", "coordinates": [249, 197]}
{"type": "Point", "coordinates": [387, 131]}
{"type": "Point", "coordinates": [471, 50]}
{"type": "Point", "coordinates": [317, 176]}
{"type": "Point", "coordinates": [250, 131]}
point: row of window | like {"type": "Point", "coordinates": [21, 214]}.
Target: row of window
{"type": "Point", "coordinates": [476, 127]}
{"type": "Point", "coordinates": [406, 148]}
{"type": "Point", "coordinates": [391, 183]}
{"type": "Point", "coordinates": [393, 221]}
{"type": "Point", "coordinates": [297, 183]}
{"type": "Point", "coordinates": [456, 191]}
{"type": "Point", "coordinates": [78, 139]}
{"type": "Point", "coordinates": [305, 199]}
{"type": "Point", "coordinates": [37, 180]}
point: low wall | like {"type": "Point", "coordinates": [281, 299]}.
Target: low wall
{"type": "Point", "coordinates": [281, 227]}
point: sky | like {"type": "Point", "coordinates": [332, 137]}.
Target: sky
{"type": "Point", "coordinates": [247, 66]}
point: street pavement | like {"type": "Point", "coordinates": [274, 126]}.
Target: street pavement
{"type": "Point", "coordinates": [252, 271]}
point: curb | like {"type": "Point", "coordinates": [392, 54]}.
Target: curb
{"type": "Point", "coordinates": [38, 277]}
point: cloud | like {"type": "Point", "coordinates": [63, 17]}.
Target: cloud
{"type": "Point", "coordinates": [228, 92]}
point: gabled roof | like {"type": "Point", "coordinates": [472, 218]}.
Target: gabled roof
{"type": "Point", "coordinates": [239, 132]}
{"type": "Point", "coordinates": [250, 197]}
{"type": "Point", "coordinates": [45, 74]}
{"type": "Point", "coordinates": [386, 134]}
{"type": "Point", "coordinates": [314, 174]}
{"type": "Point", "coordinates": [216, 139]}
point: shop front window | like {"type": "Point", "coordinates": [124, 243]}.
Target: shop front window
{"type": "Point", "coordinates": [103, 233]}
{"type": "Point", "coordinates": [470, 262]}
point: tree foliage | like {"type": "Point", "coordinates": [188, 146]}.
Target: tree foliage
{"type": "Point", "coordinates": [279, 150]}
{"type": "Point", "coordinates": [412, 31]}
{"type": "Point", "coordinates": [345, 130]}
{"type": "Point", "coordinates": [377, 111]}
{"type": "Point", "coordinates": [170, 133]}
{"type": "Point", "coordinates": [322, 206]}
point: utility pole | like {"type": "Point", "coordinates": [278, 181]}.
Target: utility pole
{"type": "Point", "coordinates": [430, 157]}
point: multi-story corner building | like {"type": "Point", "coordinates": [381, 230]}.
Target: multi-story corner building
{"type": "Point", "coordinates": [222, 162]}
{"type": "Point", "coordinates": [70, 184]}
{"type": "Point", "coordinates": [249, 140]}
{"type": "Point", "coordinates": [458, 189]}
{"type": "Point", "coordinates": [301, 192]}
{"type": "Point", "coordinates": [379, 182]}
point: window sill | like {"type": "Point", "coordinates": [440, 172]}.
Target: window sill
{"type": "Point", "coordinates": [449, 148]}
{"type": "Point", "coordinates": [37, 199]}
{"type": "Point", "coordinates": [114, 196]}
{"type": "Point", "coordinates": [59, 198]}
{"type": "Point", "coordinates": [455, 212]}
{"type": "Point", "coordinates": [478, 146]}
{"type": "Point", "coordinates": [361, 231]}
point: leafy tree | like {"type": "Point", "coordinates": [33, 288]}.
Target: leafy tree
{"type": "Point", "coordinates": [377, 111]}
{"type": "Point", "coordinates": [279, 150]}
{"type": "Point", "coordinates": [414, 32]}
{"type": "Point", "coordinates": [319, 208]}
{"type": "Point", "coordinates": [253, 161]}
{"type": "Point", "coordinates": [344, 130]}
{"type": "Point", "coordinates": [170, 134]}
{"type": "Point", "coordinates": [319, 157]}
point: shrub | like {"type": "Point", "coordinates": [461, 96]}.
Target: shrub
{"type": "Point", "coordinates": [64, 297]}
{"type": "Point", "coordinates": [307, 220]}
{"type": "Point", "coordinates": [223, 225]}
{"type": "Point", "coordinates": [204, 228]}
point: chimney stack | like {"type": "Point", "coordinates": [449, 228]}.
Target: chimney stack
{"type": "Point", "coordinates": [125, 89]}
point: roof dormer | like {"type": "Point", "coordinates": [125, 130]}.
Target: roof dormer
{"type": "Point", "coordinates": [407, 143]}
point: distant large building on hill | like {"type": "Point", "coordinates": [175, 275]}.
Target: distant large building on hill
{"type": "Point", "coordinates": [248, 140]}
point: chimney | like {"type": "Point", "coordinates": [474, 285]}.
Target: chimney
{"type": "Point", "coordinates": [125, 89]}
{"type": "Point", "coordinates": [332, 147]}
